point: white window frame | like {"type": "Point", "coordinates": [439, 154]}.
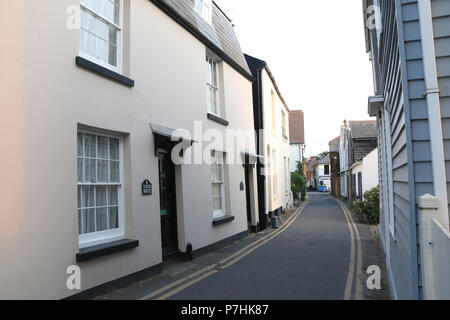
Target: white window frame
{"type": "Point", "coordinates": [119, 67]}
{"type": "Point", "coordinates": [204, 9]}
{"type": "Point", "coordinates": [222, 212]}
{"type": "Point", "coordinates": [95, 238]}
{"type": "Point", "coordinates": [214, 63]}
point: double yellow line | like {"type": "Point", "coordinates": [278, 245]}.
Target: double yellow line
{"type": "Point", "coordinates": [354, 262]}
{"type": "Point", "coordinates": [189, 280]}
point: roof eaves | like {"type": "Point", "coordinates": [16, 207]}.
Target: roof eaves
{"type": "Point", "coordinates": [276, 87]}
{"type": "Point", "coordinates": [202, 38]}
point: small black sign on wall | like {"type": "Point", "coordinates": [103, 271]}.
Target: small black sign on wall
{"type": "Point", "coordinates": [147, 188]}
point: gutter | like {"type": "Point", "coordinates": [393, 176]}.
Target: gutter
{"type": "Point", "coordinates": [434, 109]}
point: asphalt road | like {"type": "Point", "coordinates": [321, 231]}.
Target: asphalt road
{"type": "Point", "coordinates": [308, 260]}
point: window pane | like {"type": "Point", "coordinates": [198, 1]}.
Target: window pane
{"type": "Point", "coordinates": [112, 55]}
{"type": "Point", "coordinates": [90, 220]}
{"type": "Point", "coordinates": [113, 196]}
{"type": "Point", "coordinates": [80, 144]}
{"type": "Point", "coordinates": [100, 200]}
{"type": "Point", "coordinates": [90, 174]}
{"type": "Point", "coordinates": [214, 74]}
{"type": "Point", "coordinates": [79, 197]}
{"type": "Point", "coordinates": [99, 34]}
{"type": "Point", "coordinates": [113, 217]}
{"type": "Point", "coordinates": [80, 169]}
{"type": "Point", "coordinates": [199, 5]}
{"type": "Point", "coordinates": [114, 171]}
{"type": "Point", "coordinates": [102, 143]}
{"type": "Point", "coordinates": [80, 224]}
{"type": "Point", "coordinates": [217, 197]}
{"type": "Point", "coordinates": [87, 197]}
{"type": "Point", "coordinates": [103, 171]}
{"type": "Point", "coordinates": [90, 146]}
{"type": "Point", "coordinates": [87, 43]}
{"type": "Point", "coordinates": [208, 72]}
{"type": "Point", "coordinates": [102, 219]}
{"type": "Point", "coordinates": [114, 149]}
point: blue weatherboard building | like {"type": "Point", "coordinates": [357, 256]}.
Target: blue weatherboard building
{"type": "Point", "coordinates": [409, 45]}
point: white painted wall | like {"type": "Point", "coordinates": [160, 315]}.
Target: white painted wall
{"type": "Point", "coordinates": [274, 140]}
{"type": "Point", "coordinates": [369, 169]}
{"type": "Point", "coordinates": [356, 169]}
{"type": "Point", "coordinates": [48, 97]}
{"type": "Point", "coordinates": [296, 154]}
{"type": "Point", "coordinates": [321, 176]}
{"type": "Point", "coordinates": [370, 173]}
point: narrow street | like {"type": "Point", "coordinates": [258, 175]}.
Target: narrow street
{"type": "Point", "coordinates": [308, 260]}
{"type": "Point", "coordinates": [312, 256]}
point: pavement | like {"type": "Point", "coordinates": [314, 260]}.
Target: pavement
{"type": "Point", "coordinates": [319, 253]}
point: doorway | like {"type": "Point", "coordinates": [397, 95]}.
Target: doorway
{"type": "Point", "coordinates": [247, 194]}
{"type": "Point", "coordinates": [168, 207]}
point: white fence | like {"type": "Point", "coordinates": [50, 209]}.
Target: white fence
{"type": "Point", "coordinates": [435, 251]}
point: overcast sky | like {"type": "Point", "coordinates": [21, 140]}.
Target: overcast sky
{"type": "Point", "coordinates": [316, 51]}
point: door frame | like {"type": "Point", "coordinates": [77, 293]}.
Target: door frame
{"type": "Point", "coordinates": [173, 206]}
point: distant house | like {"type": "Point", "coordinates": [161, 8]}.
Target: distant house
{"type": "Point", "coordinates": [335, 166]}
{"type": "Point", "coordinates": [310, 169]}
{"type": "Point", "coordinates": [364, 175]}
{"type": "Point", "coordinates": [358, 139]}
{"type": "Point", "coordinates": [296, 137]}
{"type": "Point", "coordinates": [323, 174]}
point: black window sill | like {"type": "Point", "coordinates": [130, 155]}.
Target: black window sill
{"type": "Point", "coordinates": [217, 119]}
{"type": "Point", "coordinates": [222, 220]}
{"type": "Point", "coordinates": [91, 66]}
{"type": "Point", "coordinates": [105, 249]}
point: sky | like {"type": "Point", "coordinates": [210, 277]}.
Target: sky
{"type": "Point", "coordinates": [316, 51]}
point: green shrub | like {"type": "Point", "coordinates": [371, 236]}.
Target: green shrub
{"type": "Point", "coordinates": [298, 182]}
{"type": "Point", "coordinates": [369, 208]}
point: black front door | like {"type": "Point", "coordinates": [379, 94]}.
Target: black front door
{"type": "Point", "coordinates": [169, 234]}
{"type": "Point", "coordinates": [247, 194]}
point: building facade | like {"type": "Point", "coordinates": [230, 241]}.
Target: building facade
{"type": "Point", "coordinates": [344, 149]}
{"type": "Point", "coordinates": [365, 175]}
{"type": "Point", "coordinates": [296, 138]}
{"type": "Point", "coordinates": [335, 166]}
{"type": "Point", "coordinates": [94, 143]}
{"type": "Point", "coordinates": [310, 168]}
{"type": "Point", "coordinates": [358, 139]}
{"type": "Point", "coordinates": [271, 115]}
{"type": "Point", "coordinates": [408, 46]}
{"type": "Point", "coordinates": [323, 174]}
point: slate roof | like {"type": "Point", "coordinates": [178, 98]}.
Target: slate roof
{"type": "Point", "coordinates": [363, 129]}
{"type": "Point", "coordinates": [335, 144]}
{"type": "Point", "coordinates": [219, 37]}
{"type": "Point", "coordinates": [296, 127]}
{"type": "Point", "coordinates": [311, 163]}
{"type": "Point", "coordinates": [324, 160]}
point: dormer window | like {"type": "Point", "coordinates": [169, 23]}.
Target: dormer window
{"type": "Point", "coordinates": [204, 9]}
